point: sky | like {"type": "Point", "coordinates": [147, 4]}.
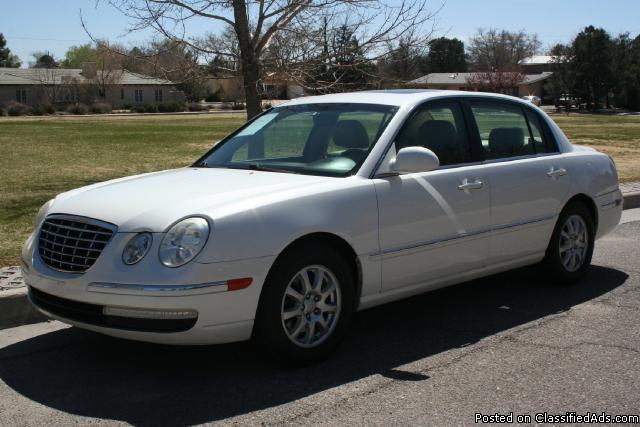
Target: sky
{"type": "Point", "coordinates": [54, 25]}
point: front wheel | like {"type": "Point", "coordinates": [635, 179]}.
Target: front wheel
{"type": "Point", "coordinates": [571, 247]}
{"type": "Point", "coordinates": [307, 303]}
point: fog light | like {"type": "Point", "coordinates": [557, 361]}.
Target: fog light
{"type": "Point", "coordinates": [142, 313]}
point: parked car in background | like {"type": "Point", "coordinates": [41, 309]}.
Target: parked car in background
{"type": "Point", "coordinates": [532, 99]}
{"type": "Point", "coordinates": [318, 208]}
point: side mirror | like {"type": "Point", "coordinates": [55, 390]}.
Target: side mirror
{"type": "Point", "coordinates": [414, 159]}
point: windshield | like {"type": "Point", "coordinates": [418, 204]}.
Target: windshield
{"type": "Point", "coordinates": [315, 139]}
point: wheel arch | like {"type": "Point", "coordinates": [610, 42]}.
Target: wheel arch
{"type": "Point", "coordinates": [589, 203]}
{"type": "Point", "coordinates": [330, 240]}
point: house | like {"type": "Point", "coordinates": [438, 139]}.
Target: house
{"type": "Point", "coordinates": [537, 64]}
{"type": "Point", "coordinates": [533, 71]}
{"type": "Point", "coordinates": [532, 84]}
{"type": "Point", "coordinates": [56, 86]}
{"type": "Point", "coordinates": [227, 88]}
{"type": "Point", "coordinates": [272, 86]}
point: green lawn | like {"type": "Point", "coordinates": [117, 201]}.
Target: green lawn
{"type": "Point", "coordinates": [618, 136]}
{"type": "Point", "coordinates": [43, 157]}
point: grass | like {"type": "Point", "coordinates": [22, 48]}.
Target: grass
{"type": "Point", "coordinates": [44, 157]}
{"type": "Point", "coordinates": [618, 136]}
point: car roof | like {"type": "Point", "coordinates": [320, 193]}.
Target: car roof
{"type": "Point", "coordinates": [396, 97]}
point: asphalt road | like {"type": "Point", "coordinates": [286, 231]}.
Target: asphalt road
{"type": "Point", "coordinates": [507, 343]}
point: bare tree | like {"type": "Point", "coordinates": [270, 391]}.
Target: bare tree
{"type": "Point", "coordinates": [257, 22]}
{"type": "Point", "coordinates": [494, 49]}
{"type": "Point", "coordinates": [498, 81]}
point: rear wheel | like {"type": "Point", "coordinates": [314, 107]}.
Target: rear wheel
{"type": "Point", "coordinates": [571, 247]}
{"type": "Point", "coordinates": [306, 305]}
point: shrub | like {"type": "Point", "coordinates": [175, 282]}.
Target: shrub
{"type": "Point", "coordinates": [101, 108]}
{"type": "Point", "coordinates": [267, 105]}
{"type": "Point", "coordinates": [2, 112]}
{"type": "Point", "coordinates": [170, 107]}
{"type": "Point", "coordinates": [78, 109]}
{"type": "Point", "coordinates": [126, 106]}
{"type": "Point", "coordinates": [214, 97]}
{"type": "Point", "coordinates": [139, 108]}
{"type": "Point", "coordinates": [38, 110]}
{"type": "Point", "coordinates": [194, 106]}
{"type": "Point", "coordinates": [150, 108]}
{"type": "Point", "coordinates": [17, 109]}
{"type": "Point", "coordinates": [238, 106]}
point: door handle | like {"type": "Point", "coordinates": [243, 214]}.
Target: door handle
{"type": "Point", "coordinates": [470, 185]}
{"type": "Point", "coordinates": [554, 173]}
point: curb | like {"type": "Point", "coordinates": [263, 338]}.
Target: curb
{"type": "Point", "coordinates": [631, 200]}
{"type": "Point", "coordinates": [16, 310]}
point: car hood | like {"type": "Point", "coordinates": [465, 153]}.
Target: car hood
{"type": "Point", "coordinates": [152, 202]}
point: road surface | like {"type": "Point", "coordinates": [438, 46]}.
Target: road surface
{"type": "Point", "coordinates": [507, 343]}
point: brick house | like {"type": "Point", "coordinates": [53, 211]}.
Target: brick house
{"type": "Point", "coordinates": [58, 86]}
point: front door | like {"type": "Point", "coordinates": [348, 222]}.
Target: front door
{"type": "Point", "coordinates": [434, 224]}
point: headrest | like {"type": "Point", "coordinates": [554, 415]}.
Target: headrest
{"type": "Point", "coordinates": [438, 135]}
{"type": "Point", "coordinates": [506, 142]}
{"type": "Point", "coordinates": [350, 134]}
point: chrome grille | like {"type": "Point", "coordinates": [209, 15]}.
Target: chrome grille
{"type": "Point", "coordinates": [72, 244]}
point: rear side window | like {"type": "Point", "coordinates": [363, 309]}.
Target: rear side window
{"type": "Point", "coordinates": [440, 128]}
{"type": "Point", "coordinates": [503, 130]}
{"type": "Point", "coordinates": [540, 143]}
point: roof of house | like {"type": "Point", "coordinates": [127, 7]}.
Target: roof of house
{"type": "Point", "coordinates": [537, 60]}
{"type": "Point", "coordinates": [461, 78]}
{"type": "Point", "coordinates": [36, 76]}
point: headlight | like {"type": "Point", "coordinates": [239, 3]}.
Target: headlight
{"type": "Point", "coordinates": [42, 213]}
{"type": "Point", "coordinates": [137, 248]}
{"type": "Point", "coordinates": [183, 241]}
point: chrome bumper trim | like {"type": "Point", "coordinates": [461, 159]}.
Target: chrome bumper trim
{"type": "Point", "coordinates": [220, 286]}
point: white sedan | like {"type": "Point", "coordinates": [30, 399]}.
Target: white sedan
{"type": "Point", "coordinates": [316, 209]}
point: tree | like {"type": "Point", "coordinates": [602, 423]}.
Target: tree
{"type": "Point", "coordinates": [562, 81]}
{"type": "Point", "coordinates": [498, 81]}
{"type": "Point", "coordinates": [78, 55]}
{"type": "Point", "coordinates": [593, 65]}
{"type": "Point", "coordinates": [7, 59]}
{"type": "Point", "coordinates": [626, 66]}
{"type": "Point", "coordinates": [494, 49]}
{"type": "Point", "coordinates": [257, 23]}
{"type": "Point", "coordinates": [43, 60]}
{"type": "Point", "coordinates": [402, 63]}
{"type": "Point", "coordinates": [341, 66]}
{"type": "Point", "coordinates": [446, 56]}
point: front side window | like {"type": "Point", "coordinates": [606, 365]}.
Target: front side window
{"type": "Point", "coordinates": [503, 130]}
{"type": "Point", "coordinates": [440, 128]}
{"type": "Point", "coordinates": [316, 139]}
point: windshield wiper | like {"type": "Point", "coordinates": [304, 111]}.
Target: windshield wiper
{"type": "Point", "coordinates": [259, 167]}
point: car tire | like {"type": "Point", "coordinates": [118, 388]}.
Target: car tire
{"type": "Point", "coordinates": [570, 249]}
{"type": "Point", "coordinates": [300, 321]}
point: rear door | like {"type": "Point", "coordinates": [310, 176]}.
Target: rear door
{"type": "Point", "coordinates": [434, 224]}
{"type": "Point", "coordinates": [528, 177]}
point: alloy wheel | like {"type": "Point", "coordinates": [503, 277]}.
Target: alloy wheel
{"type": "Point", "coordinates": [311, 306]}
{"type": "Point", "coordinates": [574, 243]}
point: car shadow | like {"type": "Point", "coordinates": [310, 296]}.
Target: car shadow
{"type": "Point", "coordinates": [92, 375]}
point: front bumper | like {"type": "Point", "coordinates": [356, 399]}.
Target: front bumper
{"type": "Point", "coordinates": [222, 315]}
